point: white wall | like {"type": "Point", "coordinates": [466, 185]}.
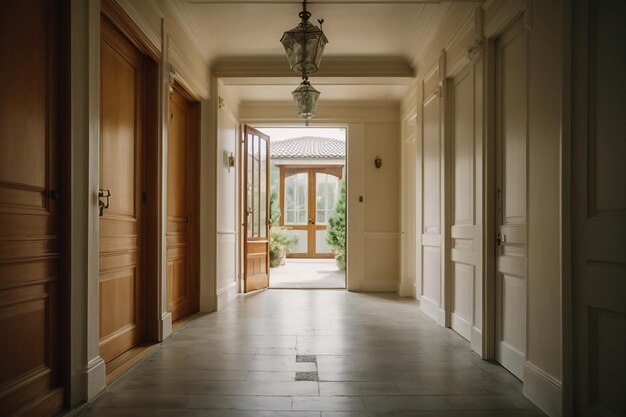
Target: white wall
{"type": "Point", "coordinates": [227, 184]}
{"type": "Point", "coordinates": [373, 225]}
{"type": "Point", "coordinates": [460, 37]}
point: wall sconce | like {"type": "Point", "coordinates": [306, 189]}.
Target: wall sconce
{"type": "Point", "coordinates": [230, 160]}
{"type": "Point", "coordinates": [378, 162]}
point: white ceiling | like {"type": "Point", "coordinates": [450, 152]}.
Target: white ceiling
{"type": "Point", "coordinates": [253, 28]}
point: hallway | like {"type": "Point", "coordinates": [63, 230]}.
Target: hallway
{"type": "Point", "coordinates": [375, 355]}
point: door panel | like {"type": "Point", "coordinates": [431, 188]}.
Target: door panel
{"type": "Point", "coordinates": [465, 234]}
{"type": "Point", "coordinates": [31, 283]}
{"type": "Point", "coordinates": [256, 225]}
{"type": "Point", "coordinates": [121, 281]}
{"type": "Point", "coordinates": [182, 290]}
{"type": "Point", "coordinates": [598, 208]}
{"type": "Point", "coordinates": [511, 101]}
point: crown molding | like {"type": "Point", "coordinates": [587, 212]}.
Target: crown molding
{"type": "Point", "coordinates": [277, 66]}
{"type": "Point", "coordinates": [182, 13]}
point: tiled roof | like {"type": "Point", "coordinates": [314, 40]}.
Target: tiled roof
{"type": "Point", "coordinates": [308, 147]}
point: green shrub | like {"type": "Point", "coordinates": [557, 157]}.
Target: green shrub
{"type": "Point", "coordinates": [336, 234]}
{"type": "Point", "coordinates": [274, 209]}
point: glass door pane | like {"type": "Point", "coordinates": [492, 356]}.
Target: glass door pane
{"type": "Point", "coordinates": [296, 199]}
{"type": "Point", "coordinates": [250, 186]}
{"type": "Point", "coordinates": [263, 187]}
{"type": "Point", "coordinates": [327, 187]}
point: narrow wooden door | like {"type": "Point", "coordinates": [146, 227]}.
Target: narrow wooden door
{"type": "Point", "coordinates": [465, 252]}
{"type": "Point", "coordinates": [598, 225]}
{"type": "Point", "coordinates": [307, 199]}
{"type": "Point", "coordinates": [121, 131]}
{"type": "Point", "coordinates": [256, 204]}
{"type": "Point", "coordinates": [511, 102]}
{"type": "Point", "coordinates": [182, 192]}
{"type": "Point", "coordinates": [31, 284]}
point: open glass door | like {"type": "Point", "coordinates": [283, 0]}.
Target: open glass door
{"type": "Point", "coordinates": [256, 225]}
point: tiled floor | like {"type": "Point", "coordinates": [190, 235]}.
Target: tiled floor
{"type": "Point", "coordinates": [307, 273]}
{"type": "Point", "coordinates": [372, 355]}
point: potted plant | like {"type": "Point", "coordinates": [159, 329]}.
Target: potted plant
{"type": "Point", "coordinates": [281, 242]}
{"type": "Point", "coordinates": [336, 235]}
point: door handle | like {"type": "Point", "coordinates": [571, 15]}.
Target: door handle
{"type": "Point", "coordinates": [103, 193]}
{"type": "Point", "coordinates": [311, 220]}
{"type": "Point", "coordinates": [499, 239]}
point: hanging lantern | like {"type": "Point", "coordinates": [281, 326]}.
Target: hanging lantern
{"type": "Point", "coordinates": [306, 97]}
{"type": "Point", "coordinates": [304, 44]}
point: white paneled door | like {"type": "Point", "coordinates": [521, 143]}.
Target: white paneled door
{"type": "Point", "coordinates": [599, 208]}
{"type": "Point", "coordinates": [511, 215]}
{"type": "Point", "coordinates": [431, 299]}
{"type": "Point", "coordinates": [465, 253]}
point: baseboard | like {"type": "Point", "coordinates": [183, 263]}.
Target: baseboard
{"type": "Point", "coordinates": [476, 341]}
{"type": "Point", "coordinates": [166, 325]}
{"type": "Point", "coordinates": [226, 295]}
{"type": "Point", "coordinates": [544, 390]}
{"type": "Point", "coordinates": [441, 317]}
{"type": "Point", "coordinates": [207, 303]}
{"type": "Point", "coordinates": [461, 326]}
{"type": "Point", "coordinates": [429, 307]}
{"type": "Point", "coordinates": [95, 377]}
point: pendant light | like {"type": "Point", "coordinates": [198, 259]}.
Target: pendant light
{"type": "Point", "coordinates": [305, 97]}
{"type": "Point", "coordinates": [304, 44]}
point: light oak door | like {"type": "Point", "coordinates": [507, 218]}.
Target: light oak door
{"type": "Point", "coordinates": [256, 204]}
{"type": "Point", "coordinates": [598, 225]}
{"type": "Point", "coordinates": [121, 269]}
{"type": "Point", "coordinates": [465, 150]}
{"type": "Point", "coordinates": [31, 244]}
{"type": "Point", "coordinates": [307, 199]}
{"type": "Point", "coordinates": [182, 192]}
{"type": "Point", "coordinates": [511, 222]}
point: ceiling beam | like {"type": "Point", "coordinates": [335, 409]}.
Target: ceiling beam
{"type": "Point", "coordinates": [350, 67]}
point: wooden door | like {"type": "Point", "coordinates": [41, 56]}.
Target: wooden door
{"type": "Point", "coordinates": [511, 140]}
{"type": "Point", "coordinates": [31, 281]}
{"type": "Point", "coordinates": [121, 132]}
{"type": "Point", "coordinates": [307, 198]}
{"type": "Point", "coordinates": [465, 252]}
{"type": "Point", "coordinates": [182, 193]}
{"type": "Point", "coordinates": [598, 224]}
{"type": "Point", "coordinates": [256, 203]}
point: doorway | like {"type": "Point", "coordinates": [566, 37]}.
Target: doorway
{"type": "Point", "coordinates": [307, 207]}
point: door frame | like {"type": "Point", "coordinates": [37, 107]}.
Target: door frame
{"type": "Point", "coordinates": [152, 154]}
{"type": "Point", "coordinates": [281, 123]}
{"type": "Point", "coordinates": [194, 181]}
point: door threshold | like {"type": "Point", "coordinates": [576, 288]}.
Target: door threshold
{"type": "Point", "coordinates": [126, 360]}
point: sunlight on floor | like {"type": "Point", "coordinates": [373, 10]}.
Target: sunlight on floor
{"type": "Point", "coordinates": [307, 273]}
